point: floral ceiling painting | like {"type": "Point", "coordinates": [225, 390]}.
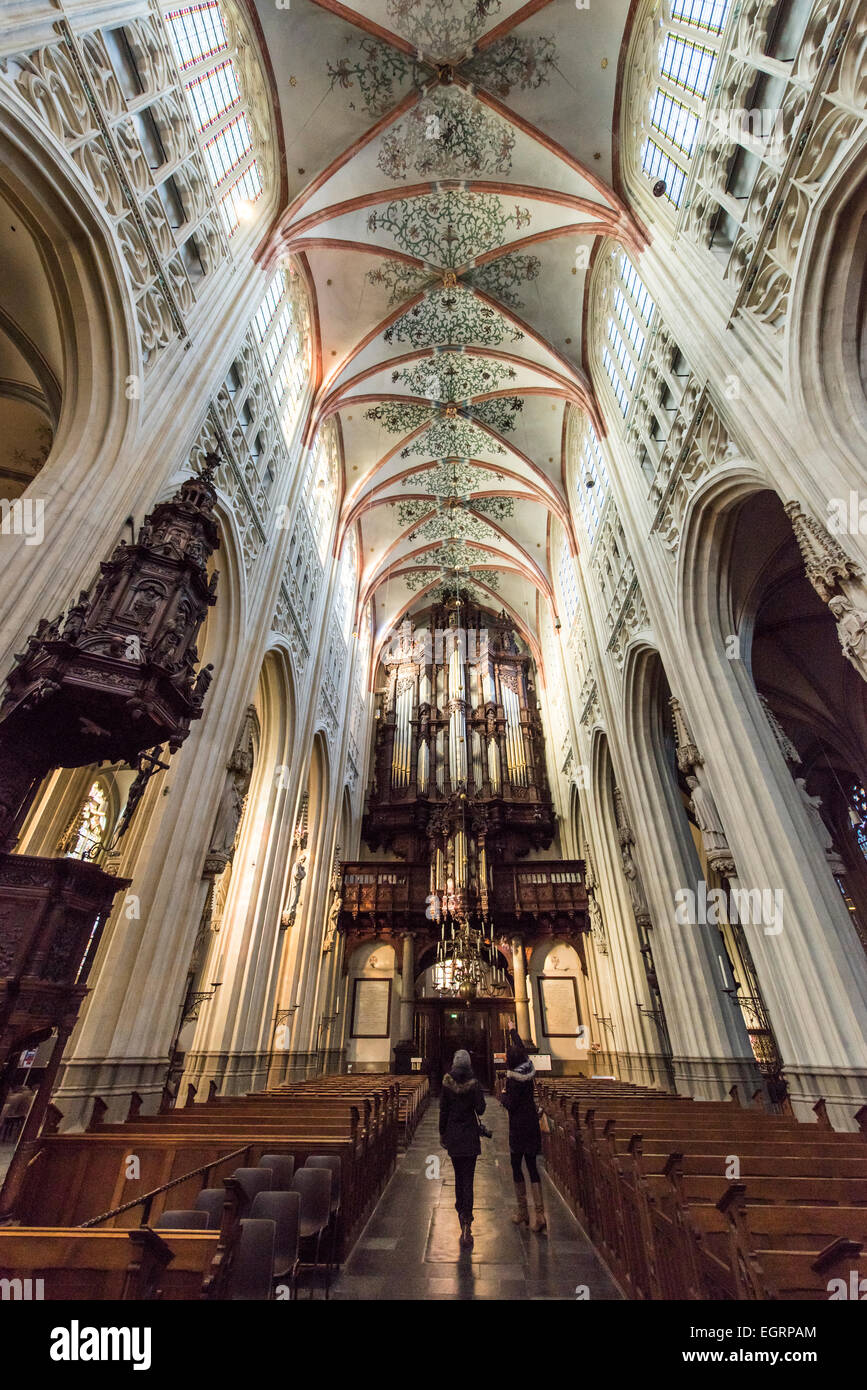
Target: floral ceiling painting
{"type": "Point", "coordinates": [446, 135]}
{"type": "Point", "coordinates": [451, 228]}
{"type": "Point", "coordinates": [452, 315]}
{"type": "Point", "coordinates": [444, 30]}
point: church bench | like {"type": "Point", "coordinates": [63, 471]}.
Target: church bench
{"type": "Point", "coordinates": [800, 1274]}
{"type": "Point", "coordinates": [763, 1164]}
{"type": "Point", "coordinates": [108, 1264]}
{"type": "Point", "coordinates": [76, 1177]}
{"type": "Point", "coordinates": [648, 1177]}
{"type": "Point", "coordinates": [809, 1191]}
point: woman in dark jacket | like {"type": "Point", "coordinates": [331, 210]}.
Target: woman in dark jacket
{"type": "Point", "coordinates": [525, 1137]}
{"type": "Point", "coordinates": [461, 1101]}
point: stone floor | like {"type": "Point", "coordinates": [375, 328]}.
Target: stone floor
{"type": "Point", "coordinates": [409, 1248]}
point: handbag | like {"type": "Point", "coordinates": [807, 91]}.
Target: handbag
{"type": "Point", "coordinates": [544, 1122]}
{"type": "Point", "coordinates": [483, 1128]}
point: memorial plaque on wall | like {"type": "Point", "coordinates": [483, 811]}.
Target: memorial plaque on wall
{"type": "Point", "coordinates": [558, 1005]}
{"type": "Point", "coordinates": [371, 1008]}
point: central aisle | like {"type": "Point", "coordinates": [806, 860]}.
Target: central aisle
{"type": "Point", "coordinates": [409, 1248]}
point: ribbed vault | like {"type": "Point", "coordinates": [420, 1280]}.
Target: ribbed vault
{"type": "Point", "coordinates": [449, 167]}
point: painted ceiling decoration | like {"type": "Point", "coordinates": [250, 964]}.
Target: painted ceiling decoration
{"type": "Point", "coordinates": [452, 478]}
{"type": "Point", "coordinates": [452, 315]}
{"type": "Point", "coordinates": [452, 525]}
{"type": "Point", "coordinates": [448, 134]}
{"type": "Point", "coordinates": [450, 228]}
{"type": "Point", "coordinates": [451, 432]}
{"type": "Point", "coordinates": [503, 277]}
{"type": "Point", "coordinates": [444, 30]}
{"type": "Point", "coordinates": [445, 159]}
{"type": "Point", "coordinates": [513, 62]}
{"type": "Point", "coordinates": [402, 280]}
{"type": "Point", "coordinates": [454, 377]}
{"type": "Point", "coordinates": [378, 71]}
{"type": "Point", "coordinates": [501, 508]}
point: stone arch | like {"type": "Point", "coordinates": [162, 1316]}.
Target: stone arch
{"type": "Point", "coordinates": [771, 832]}
{"type": "Point", "coordinates": [710, 1048]}
{"type": "Point", "coordinates": [827, 341]}
{"type": "Point", "coordinates": [74, 264]}
{"type": "Point", "coordinates": [235, 1036]}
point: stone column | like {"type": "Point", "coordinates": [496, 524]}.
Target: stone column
{"type": "Point", "coordinates": [808, 959]}
{"type": "Point", "coordinates": [407, 988]}
{"type": "Point", "coordinates": [522, 1003]}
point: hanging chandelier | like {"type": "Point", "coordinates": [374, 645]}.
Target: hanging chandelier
{"type": "Point", "coordinates": [467, 962]}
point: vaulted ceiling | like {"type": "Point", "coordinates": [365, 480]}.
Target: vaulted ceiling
{"type": "Point", "coordinates": [449, 168]}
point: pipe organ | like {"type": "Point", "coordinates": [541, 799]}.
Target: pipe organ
{"type": "Point", "coordinates": [459, 778]}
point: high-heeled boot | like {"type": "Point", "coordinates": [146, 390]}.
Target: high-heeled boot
{"type": "Point", "coordinates": [522, 1215]}
{"type": "Point", "coordinates": [539, 1222]}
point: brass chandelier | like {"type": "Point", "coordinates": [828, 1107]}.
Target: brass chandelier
{"type": "Point", "coordinates": [468, 960]}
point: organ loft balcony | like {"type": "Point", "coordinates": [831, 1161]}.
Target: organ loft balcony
{"type": "Point", "coordinates": [534, 898]}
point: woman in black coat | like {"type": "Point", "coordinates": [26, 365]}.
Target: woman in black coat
{"type": "Point", "coordinates": [525, 1136]}
{"type": "Point", "coordinates": [462, 1100]}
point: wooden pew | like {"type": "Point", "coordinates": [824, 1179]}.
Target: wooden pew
{"type": "Point", "coordinates": [141, 1264]}
{"type": "Point", "coordinates": [648, 1176]}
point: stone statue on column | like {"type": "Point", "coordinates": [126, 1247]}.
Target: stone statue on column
{"type": "Point", "coordinates": [838, 581]}
{"type": "Point", "coordinates": [812, 805]}
{"type": "Point", "coordinates": [299, 873]}
{"type": "Point", "coordinates": [702, 805]}
{"type": "Point", "coordinates": [597, 924]}
{"type": "Point", "coordinates": [331, 927]}
{"type": "Point", "coordinates": [239, 772]}
{"type": "Point", "coordinates": [630, 870]}
{"type": "Point", "coordinates": [852, 632]}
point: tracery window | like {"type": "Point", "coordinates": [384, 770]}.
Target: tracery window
{"type": "Point", "coordinates": [592, 480]}
{"type": "Point", "coordinates": [319, 488]}
{"type": "Point", "coordinates": [204, 54]}
{"type": "Point", "coordinates": [687, 62]}
{"type": "Point", "coordinates": [568, 583]}
{"type": "Point", "coordinates": [282, 325]}
{"type": "Point", "coordinates": [344, 606]}
{"type": "Point", "coordinates": [627, 329]}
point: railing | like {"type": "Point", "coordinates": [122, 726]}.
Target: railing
{"type": "Point", "coordinates": [147, 1199]}
{"type": "Point", "coordinates": [552, 885]}
{"type": "Point", "coordinates": [385, 887]}
{"type": "Point", "coordinates": [544, 886]}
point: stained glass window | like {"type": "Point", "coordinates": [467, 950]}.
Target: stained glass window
{"type": "Point", "coordinates": [859, 802]}
{"type": "Point", "coordinates": [658, 165]}
{"type": "Point", "coordinates": [196, 32]}
{"type": "Point", "coordinates": [702, 14]}
{"type": "Point", "coordinates": [345, 600]}
{"type": "Point", "coordinates": [619, 389]}
{"type": "Point", "coordinates": [87, 835]}
{"type": "Point", "coordinates": [675, 121]}
{"type": "Point", "coordinates": [636, 289]}
{"type": "Point", "coordinates": [688, 65]}
{"type": "Point", "coordinates": [685, 80]}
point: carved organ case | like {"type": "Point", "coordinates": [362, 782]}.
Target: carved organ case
{"type": "Point", "coordinates": [459, 779]}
